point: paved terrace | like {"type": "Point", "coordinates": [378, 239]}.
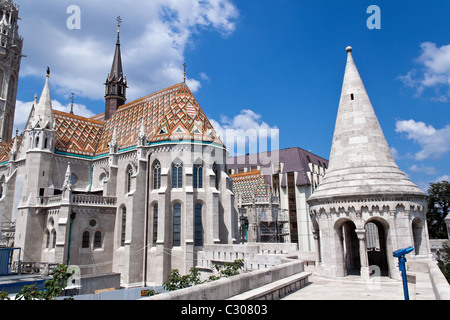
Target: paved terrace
{"type": "Point", "coordinates": [353, 288]}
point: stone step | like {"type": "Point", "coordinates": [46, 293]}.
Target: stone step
{"type": "Point", "coordinates": [275, 290]}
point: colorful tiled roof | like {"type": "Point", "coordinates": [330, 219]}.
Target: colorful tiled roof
{"type": "Point", "coordinates": [172, 114]}
{"type": "Point", "coordinates": [5, 149]}
{"type": "Point", "coordinates": [169, 114]}
{"type": "Point", "coordinates": [77, 135]}
{"type": "Point", "coordinates": [250, 185]}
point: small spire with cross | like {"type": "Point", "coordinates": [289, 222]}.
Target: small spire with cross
{"type": "Point", "coordinates": [119, 21]}
{"type": "Point", "coordinates": [184, 78]}
{"type": "Point", "coordinates": [71, 106]}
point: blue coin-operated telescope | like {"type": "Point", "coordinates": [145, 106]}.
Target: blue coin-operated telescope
{"type": "Point", "coordinates": [400, 254]}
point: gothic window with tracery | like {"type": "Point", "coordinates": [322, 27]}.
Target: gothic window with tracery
{"type": "Point", "coordinates": [198, 175]}
{"type": "Point", "coordinates": [216, 175]}
{"type": "Point", "coordinates": [97, 240]}
{"type": "Point", "coordinates": [2, 182]}
{"type": "Point", "coordinates": [53, 239]}
{"type": "Point", "coordinates": [85, 240]}
{"type": "Point", "coordinates": [198, 225]}
{"type": "Point", "coordinates": [157, 175]}
{"type": "Point", "coordinates": [155, 224]}
{"type": "Point", "coordinates": [123, 226]}
{"type": "Point", "coordinates": [176, 224]}
{"type": "Point", "coordinates": [129, 175]}
{"type": "Point", "coordinates": [177, 175]}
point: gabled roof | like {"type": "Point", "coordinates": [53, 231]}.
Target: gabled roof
{"type": "Point", "coordinates": [169, 114]}
{"type": "Point", "coordinates": [293, 160]}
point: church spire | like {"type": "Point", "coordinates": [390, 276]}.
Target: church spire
{"type": "Point", "coordinates": [116, 83]}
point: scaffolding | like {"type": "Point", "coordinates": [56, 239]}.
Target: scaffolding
{"type": "Point", "coordinates": [274, 227]}
{"type": "Point", "coordinates": [7, 230]}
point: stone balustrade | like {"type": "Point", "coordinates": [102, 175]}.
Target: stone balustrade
{"type": "Point", "coordinates": [77, 200]}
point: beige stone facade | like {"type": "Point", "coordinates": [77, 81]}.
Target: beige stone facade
{"type": "Point", "coordinates": [140, 210]}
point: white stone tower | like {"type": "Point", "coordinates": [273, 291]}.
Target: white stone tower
{"type": "Point", "coordinates": [10, 57]}
{"type": "Point", "coordinates": [365, 207]}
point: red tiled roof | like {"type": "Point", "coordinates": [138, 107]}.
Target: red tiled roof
{"type": "Point", "coordinates": [169, 114]}
{"type": "Point", "coordinates": [77, 135]}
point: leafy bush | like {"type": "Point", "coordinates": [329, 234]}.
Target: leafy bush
{"type": "Point", "coordinates": [52, 288]}
{"type": "Point", "coordinates": [177, 281]}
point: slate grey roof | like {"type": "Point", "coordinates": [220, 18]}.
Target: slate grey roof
{"type": "Point", "coordinates": [294, 160]}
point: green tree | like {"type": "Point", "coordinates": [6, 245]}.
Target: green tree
{"type": "Point", "coordinates": [177, 281]}
{"type": "Point", "coordinates": [230, 269]}
{"type": "Point", "coordinates": [438, 209]}
{"type": "Point", "coordinates": [52, 288]}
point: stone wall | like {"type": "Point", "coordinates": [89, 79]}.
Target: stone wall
{"type": "Point", "coordinates": [227, 287]}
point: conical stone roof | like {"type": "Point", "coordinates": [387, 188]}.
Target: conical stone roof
{"type": "Point", "coordinates": [360, 162]}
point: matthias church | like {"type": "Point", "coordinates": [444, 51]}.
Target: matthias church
{"type": "Point", "coordinates": [147, 186]}
{"type": "Point", "coordinates": [136, 190]}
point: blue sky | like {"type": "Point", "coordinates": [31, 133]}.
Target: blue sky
{"type": "Point", "coordinates": [274, 64]}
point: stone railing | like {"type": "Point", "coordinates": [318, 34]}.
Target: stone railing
{"type": "Point", "coordinates": [256, 256]}
{"type": "Point", "coordinates": [77, 200]}
{"type": "Point", "coordinates": [271, 283]}
{"type": "Point", "coordinates": [92, 200]}
{"type": "Point", "coordinates": [49, 201]}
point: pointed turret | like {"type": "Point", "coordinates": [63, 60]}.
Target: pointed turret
{"type": "Point", "coordinates": [43, 110]}
{"type": "Point", "coordinates": [116, 83]}
{"type": "Point", "coordinates": [360, 161]}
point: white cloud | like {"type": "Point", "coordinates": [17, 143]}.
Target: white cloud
{"type": "Point", "coordinates": [434, 143]}
{"type": "Point", "coordinates": [424, 169]}
{"type": "Point", "coordinates": [434, 72]}
{"type": "Point", "coordinates": [154, 36]}
{"type": "Point", "coordinates": [395, 154]}
{"type": "Point", "coordinates": [247, 133]}
{"type": "Point", "coordinates": [445, 177]}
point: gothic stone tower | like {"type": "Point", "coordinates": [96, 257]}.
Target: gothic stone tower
{"type": "Point", "coordinates": [10, 56]}
{"type": "Point", "coordinates": [116, 83]}
{"type": "Point", "coordinates": [366, 207]}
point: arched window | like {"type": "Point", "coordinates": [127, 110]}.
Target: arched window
{"type": "Point", "coordinates": [176, 224]}
{"type": "Point", "coordinates": [123, 226]}
{"type": "Point", "coordinates": [47, 239]}
{"type": "Point", "coordinates": [216, 174]}
{"type": "Point", "coordinates": [198, 225]}
{"type": "Point", "coordinates": [155, 224]}
{"type": "Point", "coordinates": [157, 175]}
{"type": "Point", "coordinates": [53, 239]}
{"type": "Point", "coordinates": [97, 240]}
{"type": "Point", "coordinates": [177, 175]}
{"type": "Point", "coordinates": [198, 175]}
{"type": "Point", "coordinates": [85, 240]}
{"type": "Point", "coordinates": [128, 178]}
{"type": "Point", "coordinates": [2, 182]}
